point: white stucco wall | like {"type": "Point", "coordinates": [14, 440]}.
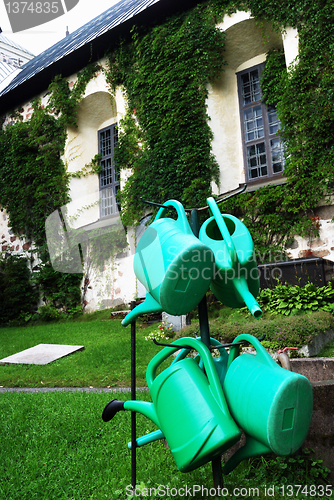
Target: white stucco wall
{"type": "Point", "coordinates": [114, 282]}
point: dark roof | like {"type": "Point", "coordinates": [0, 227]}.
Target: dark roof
{"type": "Point", "coordinates": [88, 43]}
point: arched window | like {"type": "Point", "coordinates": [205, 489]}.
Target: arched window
{"type": "Point", "coordinates": [109, 176]}
{"type": "Point", "coordinates": [262, 146]}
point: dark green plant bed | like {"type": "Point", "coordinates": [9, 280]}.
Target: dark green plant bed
{"type": "Point", "coordinates": [279, 331]}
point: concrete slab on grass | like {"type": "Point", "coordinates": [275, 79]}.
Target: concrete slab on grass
{"type": "Point", "coordinates": [41, 354]}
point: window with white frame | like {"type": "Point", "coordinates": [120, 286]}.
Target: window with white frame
{"type": "Point", "coordinates": [262, 146]}
{"type": "Point", "coordinates": [109, 176]}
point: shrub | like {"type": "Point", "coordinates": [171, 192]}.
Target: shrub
{"type": "Point", "coordinates": [291, 299]}
{"type": "Point", "coordinates": [280, 332]}
{"type": "Point", "coordinates": [18, 296]}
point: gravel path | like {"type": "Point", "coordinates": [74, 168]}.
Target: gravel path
{"type": "Point", "coordinates": [70, 389]}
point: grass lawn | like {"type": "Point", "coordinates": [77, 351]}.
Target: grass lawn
{"type": "Point", "coordinates": [105, 361]}
{"type": "Point", "coordinates": [327, 351]}
{"type": "Point", "coordinates": [56, 446]}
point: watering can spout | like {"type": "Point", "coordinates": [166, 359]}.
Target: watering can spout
{"type": "Point", "coordinates": [150, 305]}
{"type": "Point", "coordinates": [241, 286]}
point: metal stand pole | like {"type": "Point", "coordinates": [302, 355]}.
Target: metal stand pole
{"type": "Point", "coordinates": [205, 337]}
{"type": "Point", "coordinates": [133, 397]}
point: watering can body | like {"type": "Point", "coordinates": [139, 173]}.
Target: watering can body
{"type": "Point", "coordinates": [189, 407]}
{"type": "Point", "coordinates": [272, 405]}
{"type": "Point", "coordinates": [236, 279]}
{"type": "Point", "coordinates": [173, 265]}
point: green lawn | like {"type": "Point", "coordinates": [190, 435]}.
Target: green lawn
{"type": "Point", "coordinates": [105, 361]}
{"type": "Point", "coordinates": [56, 446]}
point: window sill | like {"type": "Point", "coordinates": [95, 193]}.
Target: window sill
{"type": "Point", "coordinates": [269, 181]}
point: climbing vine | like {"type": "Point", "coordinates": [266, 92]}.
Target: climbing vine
{"type": "Point", "coordinates": [35, 182]}
{"type": "Point", "coordinates": [304, 99]}
{"type": "Point", "coordinates": [165, 139]}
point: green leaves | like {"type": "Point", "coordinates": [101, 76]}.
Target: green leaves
{"type": "Point", "coordinates": [165, 139]}
{"type": "Point", "coordinates": [18, 295]}
{"type": "Point", "coordinates": [34, 183]}
{"type": "Point", "coordinates": [289, 299]}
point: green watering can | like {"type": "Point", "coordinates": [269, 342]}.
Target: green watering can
{"type": "Point", "coordinates": [236, 280]}
{"type": "Point", "coordinates": [272, 405]}
{"type": "Point", "coordinates": [221, 368]}
{"type": "Point", "coordinates": [189, 408]}
{"type": "Point", "coordinates": [173, 265]}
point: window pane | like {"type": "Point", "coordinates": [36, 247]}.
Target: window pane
{"type": "Point", "coordinates": [109, 176]}
{"type": "Point", "coordinates": [263, 148]}
{"type": "Point", "coordinates": [251, 86]}
{"type": "Point", "coordinates": [274, 123]}
{"type": "Point", "coordinates": [106, 172]}
{"type": "Point", "coordinates": [277, 155]}
{"type": "Point", "coordinates": [117, 200]}
{"type": "Point", "coordinates": [105, 142]}
{"type": "Point", "coordinates": [116, 170]}
{"type": "Point", "coordinates": [257, 161]}
{"type": "Point", "coordinates": [107, 202]}
{"type": "Point", "coordinates": [253, 121]}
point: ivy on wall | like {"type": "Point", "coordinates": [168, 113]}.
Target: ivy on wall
{"type": "Point", "coordinates": [304, 98]}
{"type": "Point", "coordinates": [35, 182]}
{"type": "Point", "coordinates": [165, 139]}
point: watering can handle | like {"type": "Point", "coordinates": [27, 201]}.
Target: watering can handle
{"type": "Point", "coordinates": [205, 354]}
{"type": "Point", "coordinates": [181, 221]}
{"type": "Point", "coordinates": [261, 352]}
{"type": "Point", "coordinates": [222, 227]}
{"type": "Point", "coordinates": [213, 343]}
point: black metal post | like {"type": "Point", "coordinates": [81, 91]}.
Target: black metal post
{"type": "Point", "coordinates": [205, 337]}
{"type": "Point", "coordinates": [133, 397]}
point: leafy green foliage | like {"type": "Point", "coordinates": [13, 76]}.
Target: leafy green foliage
{"type": "Point", "coordinates": [271, 78]}
{"type": "Point", "coordinates": [291, 299]}
{"type": "Point", "coordinates": [35, 182]}
{"type": "Point", "coordinates": [301, 468]}
{"type": "Point", "coordinates": [305, 100]}
{"type": "Point", "coordinates": [60, 290]}
{"type": "Point", "coordinates": [33, 177]}
{"type": "Point", "coordinates": [18, 295]}
{"type": "Point", "coordinates": [64, 101]}
{"type": "Point", "coordinates": [165, 138]}
{"type": "Point", "coordinates": [280, 332]}
{"type": "Point", "coordinates": [270, 225]}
